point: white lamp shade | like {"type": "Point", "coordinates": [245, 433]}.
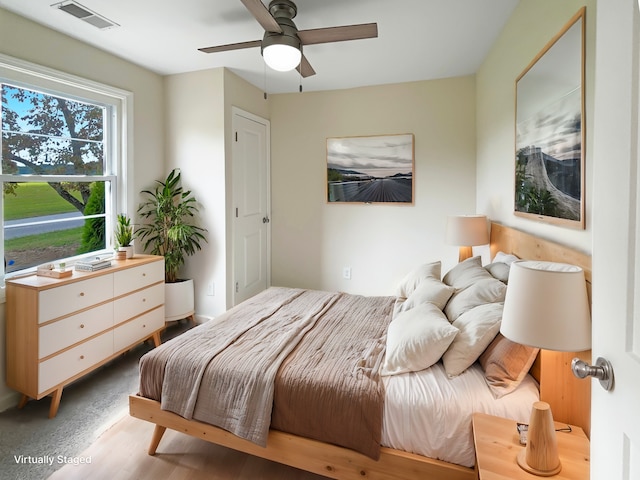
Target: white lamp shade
{"type": "Point", "coordinates": [467, 230]}
{"type": "Point", "coordinates": [282, 57]}
{"type": "Point", "coordinates": [546, 306]}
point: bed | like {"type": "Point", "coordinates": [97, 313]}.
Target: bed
{"type": "Point", "coordinates": [279, 428]}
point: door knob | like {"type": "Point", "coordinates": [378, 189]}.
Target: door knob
{"type": "Point", "coordinates": [265, 220]}
{"type": "Point", "coordinates": [602, 370]}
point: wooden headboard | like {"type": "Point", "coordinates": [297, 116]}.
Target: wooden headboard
{"type": "Point", "coordinates": [569, 397]}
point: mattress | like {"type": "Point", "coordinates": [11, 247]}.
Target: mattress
{"type": "Point", "coordinates": [429, 413]}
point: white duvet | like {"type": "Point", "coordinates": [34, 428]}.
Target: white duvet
{"type": "Point", "coordinates": [429, 413]}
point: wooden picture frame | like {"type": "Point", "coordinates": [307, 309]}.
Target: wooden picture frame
{"type": "Point", "coordinates": [373, 169]}
{"type": "Point", "coordinates": [550, 131]}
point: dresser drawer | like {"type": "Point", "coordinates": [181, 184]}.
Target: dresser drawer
{"type": "Point", "coordinates": [132, 332]}
{"type": "Point", "coordinates": [130, 279]}
{"type": "Point", "coordinates": [68, 331]}
{"type": "Point", "coordinates": [139, 302]}
{"type": "Point", "coordinates": [60, 368]}
{"type": "Point", "coordinates": [69, 298]}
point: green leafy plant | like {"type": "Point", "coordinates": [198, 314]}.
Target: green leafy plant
{"type": "Point", "coordinates": [169, 230]}
{"type": "Point", "coordinates": [93, 231]}
{"type": "Point", "coordinates": [124, 231]}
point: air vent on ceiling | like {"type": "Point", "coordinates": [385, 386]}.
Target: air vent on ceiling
{"type": "Point", "coordinates": [83, 13]}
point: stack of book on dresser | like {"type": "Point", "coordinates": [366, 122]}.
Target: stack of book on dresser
{"type": "Point", "coordinates": [93, 264]}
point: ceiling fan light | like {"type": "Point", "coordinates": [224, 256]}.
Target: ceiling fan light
{"type": "Point", "coordinates": [282, 57]}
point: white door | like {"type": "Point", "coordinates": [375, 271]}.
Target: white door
{"type": "Point", "coordinates": [615, 423]}
{"type": "Point", "coordinates": [251, 222]}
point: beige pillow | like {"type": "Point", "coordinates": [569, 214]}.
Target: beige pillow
{"type": "Point", "coordinates": [417, 275]}
{"type": "Point", "coordinates": [466, 273]}
{"type": "Point", "coordinates": [477, 328]}
{"type": "Point", "coordinates": [505, 364]}
{"type": "Point", "coordinates": [499, 271]}
{"type": "Point", "coordinates": [487, 290]}
{"type": "Point", "coordinates": [416, 339]}
{"type": "Point", "coordinates": [430, 290]}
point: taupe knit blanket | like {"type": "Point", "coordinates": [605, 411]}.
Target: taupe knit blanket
{"type": "Point", "coordinates": [225, 372]}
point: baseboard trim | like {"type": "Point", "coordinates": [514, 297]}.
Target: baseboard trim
{"type": "Point", "coordinates": [203, 318]}
{"type": "Point", "coordinates": [9, 400]}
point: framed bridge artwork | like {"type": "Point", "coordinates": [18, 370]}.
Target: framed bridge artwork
{"type": "Point", "coordinates": [550, 135]}
{"type": "Point", "coordinates": [373, 169]}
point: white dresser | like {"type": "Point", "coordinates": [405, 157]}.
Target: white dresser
{"type": "Point", "coordinates": [61, 329]}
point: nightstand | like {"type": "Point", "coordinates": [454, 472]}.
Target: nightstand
{"type": "Point", "coordinates": [497, 444]}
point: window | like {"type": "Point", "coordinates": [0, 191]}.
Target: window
{"type": "Point", "coordinates": [62, 166]}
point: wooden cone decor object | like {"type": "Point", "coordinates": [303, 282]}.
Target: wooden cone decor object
{"type": "Point", "coordinates": [540, 456]}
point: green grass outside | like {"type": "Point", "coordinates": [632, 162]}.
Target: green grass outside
{"type": "Point", "coordinates": [33, 200]}
{"type": "Point", "coordinates": [52, 239]}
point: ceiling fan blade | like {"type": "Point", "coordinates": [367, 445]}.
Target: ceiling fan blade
{"type": "Point", "coordinates": [231, 46]}
{"type": "Point", "coordinates": [305, 68]}
{"type": "Point", "coordinates": [262, 15]}
{"type": "Point", "coordinates": [338, 34]}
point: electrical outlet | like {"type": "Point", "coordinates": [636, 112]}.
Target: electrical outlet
{"type": "Point", "coordinates": [346, 273]}
{"type": "Point", "coordinates": [210, 289]}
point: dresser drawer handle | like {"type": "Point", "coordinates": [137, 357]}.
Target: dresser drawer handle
{"type": "Point", "coordinates": [81, 357]}
{"type": "Point", "coordinates": [144, 274]}
{"type": "Point", "coordinates": [82, 325]}
{"type": "Point", "coordinates": [144, 326]}
{"type": "Point", "coordinates": [82, 294]}
{"type": "Point", "coordinates": [144, 300]}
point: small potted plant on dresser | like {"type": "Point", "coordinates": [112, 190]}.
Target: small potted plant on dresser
{"type": "Point", "coordinates": [169, 214]}
{"type": "Point", "coordinates": [124, 236]}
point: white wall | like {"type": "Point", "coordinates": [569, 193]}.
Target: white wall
{"type": "Point", "coordinates": [195, 143]}
{"type": "Point", "coordinates": [26, 40]}
{"type": "Point", "coordinates": [198, 136]}
{"type": "Point", "coordinates": [516, 47]}
{"type": "Point", "coordinates": [311, 240]}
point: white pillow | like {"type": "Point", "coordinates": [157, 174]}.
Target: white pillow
{"type": "Point", "coordinates": [488, 290]}
{"type": "Point", "coordinates": [499, 271]}
{"type": "Point", "coordinates": [466, 273]}
{"type": "Point", "coordinates": [477, 329]}
{"type": "Point", "coordinates": [429, 290]}
{"type": "Point", "coordinates": [507, 258]}
{"type": "Point", "coordinates": [417, 275]}
{"type": "Point", "coordinates": [416, 339]}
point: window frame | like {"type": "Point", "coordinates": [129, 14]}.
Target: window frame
{"type": "Point", "coordinates": [118, 144]}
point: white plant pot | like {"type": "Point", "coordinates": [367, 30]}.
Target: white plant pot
{"type": "Point", "coordinates": [178, 300]}
{"type": "Point", "coordinates": [128, 249]}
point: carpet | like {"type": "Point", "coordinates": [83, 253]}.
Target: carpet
{"type": "Point", "coordinates": [31, 444]}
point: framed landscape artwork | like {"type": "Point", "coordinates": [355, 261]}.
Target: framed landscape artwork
{"type": "Point", "coordinates": [550, 136]}
{"type": "Point", "coordinates": [375, 169]}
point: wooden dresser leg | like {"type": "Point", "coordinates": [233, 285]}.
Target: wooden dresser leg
{"type": "Point", "coordinates": [156, 339]}
{"type": "Point", "coordinates": [23, 401]}
{"type": "Point", "coordinates": [55, 402]}
{"type": "Point", "coordinates": [158, 432]}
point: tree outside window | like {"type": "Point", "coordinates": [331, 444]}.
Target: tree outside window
{"type": "Point", "coordinates": [56, 176]}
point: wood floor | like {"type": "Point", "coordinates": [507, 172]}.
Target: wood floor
{"type": "Point", "coordinates": [121, 452]}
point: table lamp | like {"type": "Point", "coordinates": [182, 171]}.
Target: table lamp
{"type": "Point", "coordinates": [466, 231]}
{"type": "Point", "coordinates": [546, 306]}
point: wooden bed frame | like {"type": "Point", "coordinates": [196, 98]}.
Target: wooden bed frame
{"type": "Point", "coordinates": [570, 401]}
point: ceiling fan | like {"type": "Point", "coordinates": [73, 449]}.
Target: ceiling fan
{"type": "Point", "coordinates": [282, 43]}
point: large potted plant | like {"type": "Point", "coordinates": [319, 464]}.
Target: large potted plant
{"type": "Point", "coordinates": [168, 229]}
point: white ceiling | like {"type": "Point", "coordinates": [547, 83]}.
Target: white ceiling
{"type": "Point", "coordinates": [417, 39]}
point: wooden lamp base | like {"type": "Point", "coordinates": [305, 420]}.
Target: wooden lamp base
{"type": "Point", "coordinates": [540, 456]}
{"type": "Point", "coordinates": [464, 253]}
